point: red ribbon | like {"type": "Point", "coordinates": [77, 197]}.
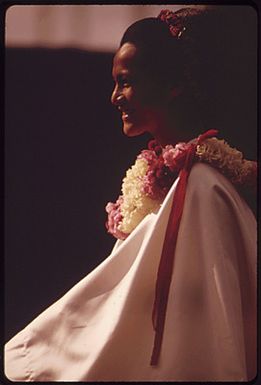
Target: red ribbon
{"type": "Point", "coordinates": [167, 256]}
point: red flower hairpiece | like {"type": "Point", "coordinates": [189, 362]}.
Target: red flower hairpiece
{"type": "Point", "coordinates": [173, 21]}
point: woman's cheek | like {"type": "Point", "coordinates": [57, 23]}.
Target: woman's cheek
{"type": "Point", "coordinates": [130, 95]}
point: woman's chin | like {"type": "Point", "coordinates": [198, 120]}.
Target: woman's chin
{"type": "Point", "coordinates": [130, 129]}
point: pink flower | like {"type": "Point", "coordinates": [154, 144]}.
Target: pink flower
{"type": "Point", "coordinates": [149, 184]}
{"type": "Point", "coordinates": [174, 157]}
{"type": "Point", "coordinates": [149, 156]}
{"type": "Point", "coordinates": [154, 146]}
{"type": "Point", "coordinates": [158, 179]}
{"type": "Point", "coordinates": [167, 16]}
{"type": "Point", "coordinates": [174, 22]}
{"type": "Point", "coordinates": [114, 218]}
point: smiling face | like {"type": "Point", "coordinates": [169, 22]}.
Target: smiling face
{"type": "Point", "coordinates": [142, 103]}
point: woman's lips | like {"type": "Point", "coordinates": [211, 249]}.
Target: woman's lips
{"type": "Point", "coordinates": [126, 114]}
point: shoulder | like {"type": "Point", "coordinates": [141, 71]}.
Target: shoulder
{"type": "Point", "coordinates": [207, 184]}
{"type": "Point", "coordinates": [203, 176]}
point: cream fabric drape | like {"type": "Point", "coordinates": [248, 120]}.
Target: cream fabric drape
{"type": "Point", "coordinates": [101, 330]}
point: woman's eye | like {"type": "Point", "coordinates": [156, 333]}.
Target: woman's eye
{"type": "Point", "coordinates": [125, 82]}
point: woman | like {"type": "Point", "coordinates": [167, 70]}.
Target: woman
{"type": "Point", "coordinates": [176, 298]}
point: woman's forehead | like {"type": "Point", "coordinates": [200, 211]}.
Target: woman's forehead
{"type": "Point", "coordinates": [126, 55]}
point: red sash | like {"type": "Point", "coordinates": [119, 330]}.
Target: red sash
{"type": "Point", "coordinates": [168, 251]}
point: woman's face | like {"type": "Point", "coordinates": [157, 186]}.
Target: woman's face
{"type": "Point", "coordinates": [143, 105]}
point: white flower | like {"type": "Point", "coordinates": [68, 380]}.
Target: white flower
{"type": "Point", "coordinates": [136, 205]}
{"type": "Point", "coordinates": [228, 160]}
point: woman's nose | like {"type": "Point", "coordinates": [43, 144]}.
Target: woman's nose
{"type": "Point", "coordinates": [116, 96]}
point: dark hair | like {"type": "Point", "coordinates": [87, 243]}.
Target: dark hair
{"type": "Point", "coordinates": [159, 52]}
{"type": "Point", "coordinates": [214, 59]}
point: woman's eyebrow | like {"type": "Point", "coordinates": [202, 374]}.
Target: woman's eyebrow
{"type": "Point", "coordinates": [120, 75]}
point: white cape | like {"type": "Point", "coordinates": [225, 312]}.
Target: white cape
{"type": "Point", "coordinates": [101, 330]}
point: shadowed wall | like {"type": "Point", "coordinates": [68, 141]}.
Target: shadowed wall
{"type": "Point", "coordinates": [65, 159]}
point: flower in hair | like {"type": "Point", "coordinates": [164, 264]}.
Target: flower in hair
{"type": "Point", "coordinates": [174, 23]}
{"type": "Point", "coordinates": [148, 181]}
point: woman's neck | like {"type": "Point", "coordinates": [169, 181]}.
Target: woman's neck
{"type": "Point", "coordinates": [172, 134]}
{"type": "Point", "coordinates": [181, 124]}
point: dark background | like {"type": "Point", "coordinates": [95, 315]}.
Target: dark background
{"type": "Point", "coordinates": [65, 157]}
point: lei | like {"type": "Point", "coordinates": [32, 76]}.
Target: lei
{"type": "Point", "coordinates": [148, 181]}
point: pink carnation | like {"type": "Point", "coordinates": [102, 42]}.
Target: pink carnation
{"type": "Point", "coordinates": [174, 157]}
{"type": "Point", "coordinates": [154, 146]}
{"type": "Point", "coordinates": [114, 218]}
{"type": "Point", "coordinates": [149, 156]}
{"type": "Point", "coordinates": [149, 184]}
{"type": "Point", "coordinates": [174, 23]}
{"type": "Point", "coordinates": [157, 180]}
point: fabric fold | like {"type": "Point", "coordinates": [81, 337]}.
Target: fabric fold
{"type": "Point", "coordinates": [101, 330]}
